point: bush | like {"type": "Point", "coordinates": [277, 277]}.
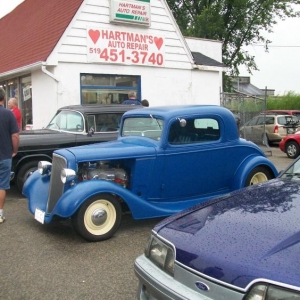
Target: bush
{"type": "Point", "coordinates": [290, 100]}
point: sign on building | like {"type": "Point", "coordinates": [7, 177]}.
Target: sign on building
{"type": "Point", "coordinates": [130, 11]}
{"type": "Point", "coordinates": [125, 47]}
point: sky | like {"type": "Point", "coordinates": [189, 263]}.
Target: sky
{"type": "Point", "coordinates": [279, 69]}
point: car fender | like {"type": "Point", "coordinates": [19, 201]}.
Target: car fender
{"type": "Point", "coordinates": [72, 199]}
{"type": "Point", "coordinates": [36, 188]}
{"type": "Point", "coordinates": [247, 166]}
{"type": "Point", "coordinates": [27, 158]}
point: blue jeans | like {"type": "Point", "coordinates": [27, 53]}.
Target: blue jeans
{"type": "Point", "coordinates": [5, 168]}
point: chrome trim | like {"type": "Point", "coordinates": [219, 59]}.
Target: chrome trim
{"type": "Point", "coordinates": [246, 289]}
{"type": "Point", "coordinates": [56, 187]}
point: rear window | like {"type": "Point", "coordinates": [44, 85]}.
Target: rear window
{"type": "Point", "coordinates": [287, 120]}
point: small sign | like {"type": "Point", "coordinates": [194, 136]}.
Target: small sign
{"type": "Point", "coordinates": [27, 92]}
{"type": "Point", "coordinates": [125, 47]}
{"type": "Point", "coordinates": [130, 11]}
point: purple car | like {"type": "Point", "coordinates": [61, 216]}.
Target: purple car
{"type": "Point", "coordinates": [244, 245]}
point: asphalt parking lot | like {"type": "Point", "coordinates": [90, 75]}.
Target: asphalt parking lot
{"type": "Point", "coordinates": [53, 262]}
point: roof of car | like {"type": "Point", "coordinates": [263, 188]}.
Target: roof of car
{"type": "Point", "coordinates": [173, 111]}
{"type": "Point", "coordinates": [92, 108]}
{"type": "Point", "coordinates": [283, 111]}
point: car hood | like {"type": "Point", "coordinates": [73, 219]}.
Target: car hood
{"type": "Point", "coordinates": [248, 234]}
{"type": "Point", "coordinates": [119, 149]}
{"type": "Point", "coordinates": [40, 136]}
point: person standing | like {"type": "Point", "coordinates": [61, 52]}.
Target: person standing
{"type": "Point", "coordinates": [13, 106]}
{"type": "Point", "coordinates": [145, 102]}
{"type": "Point", "coordinates": [9, 141]}
{"type": "Point", "coordinates": [132, 99]}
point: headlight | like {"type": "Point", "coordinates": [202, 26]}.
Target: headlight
{"type": "Point", "coordinates": [271, 292]}
{"type": "Point", "coordinates": [160, 254]}
{"type": "Point", "coordinates": [67, 175]}
{"type": "Point", "coordinates": [44, 167]}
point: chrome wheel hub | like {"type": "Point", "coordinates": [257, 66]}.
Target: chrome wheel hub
{"type": "Point", "coordinates": [99, 217]}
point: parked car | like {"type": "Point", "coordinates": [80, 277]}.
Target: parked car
{"type": "Point", "coordinates": [294, 112]}
{"type": "Point", "coordinates": [275, 127]}
{"type": "Point", "coordinates": [164, 160]}
{"type": "Point", "coordinates": [290, 145]}
{"type": "Point", "coordinates": [71, 126]}
{"type": "Point", "coordinates": [243, 245]}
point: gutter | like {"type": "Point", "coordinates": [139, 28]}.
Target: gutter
{"type": "Point", "coordinates": [210, 68]}
{"type": "Point", "coordinates": [21, 71]}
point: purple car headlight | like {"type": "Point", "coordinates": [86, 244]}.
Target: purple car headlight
{"type": "Point", "coordinates": [161, 254]}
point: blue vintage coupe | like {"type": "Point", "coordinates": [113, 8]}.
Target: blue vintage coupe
{"type": "Point", "coordinates": [240, 246]}
{"type": "Point", "coordinates": [164, 160]}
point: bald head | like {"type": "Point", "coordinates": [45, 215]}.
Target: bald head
{"type": "Point", "coordinates": [12, 102]}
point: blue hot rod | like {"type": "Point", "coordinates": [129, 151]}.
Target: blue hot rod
{"type": "Point", "coordinates": [164, 160]}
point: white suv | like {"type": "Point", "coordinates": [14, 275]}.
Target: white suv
{"type": "Point", "coordinates": [275, 126]}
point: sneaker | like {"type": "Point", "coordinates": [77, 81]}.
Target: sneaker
{"type": "Point", "coordinates": [2, 219]}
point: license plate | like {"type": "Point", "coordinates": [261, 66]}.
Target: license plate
{"type": "Point", "coordinates": [39, 215]}
{"type": "Point", "coordinates": [291, 130]}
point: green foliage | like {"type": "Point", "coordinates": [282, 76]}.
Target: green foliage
{"type": "Point", "coordinates": [246, 105]}
{"type": "Point", "coordinates": [236, 23]}
{"type": "Point", "coordinates": [290, 100]}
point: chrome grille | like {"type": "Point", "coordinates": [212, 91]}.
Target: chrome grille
{"type": "Point", "coordinates": [56, 186]}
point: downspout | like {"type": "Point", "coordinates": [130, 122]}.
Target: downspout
{"type": "Point", "coordinates": [44, 70]}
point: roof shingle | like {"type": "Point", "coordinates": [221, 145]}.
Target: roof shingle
{"type": "Point", "coordinates": [30, 32]}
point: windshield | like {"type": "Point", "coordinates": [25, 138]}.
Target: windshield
{"type": "Point", "coordinates": [67, 121]}
{"type": "Point", "coordinates": [292, 173]}
{"type": "Point", "coordinates": [149, 127]}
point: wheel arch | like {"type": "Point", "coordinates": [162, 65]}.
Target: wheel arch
{"type": "Point", "coordinates": [29, 158]}
{"type": "Point", "coordinates": [72, 199]}
{"type": "Point", "coordinates": [247, 166]}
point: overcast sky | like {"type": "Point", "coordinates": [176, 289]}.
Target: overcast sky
{"type": "Point", "coordinates": [279, 69]}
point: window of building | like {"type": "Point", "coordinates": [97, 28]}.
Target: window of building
{"type": "Point", "coordinates": [108, 89]}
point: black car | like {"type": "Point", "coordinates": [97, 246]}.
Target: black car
{"type": "Point", "coordinates": [71, 126]}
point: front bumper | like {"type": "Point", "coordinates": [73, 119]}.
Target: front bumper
{"type": "Point", "coordinates": [155, 284]}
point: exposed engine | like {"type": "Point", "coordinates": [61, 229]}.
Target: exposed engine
{"type": "Point", "coordinates": [103, 170]}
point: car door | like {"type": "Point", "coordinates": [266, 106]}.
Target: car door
{"type": "Point", "coordinates": [199, 162]}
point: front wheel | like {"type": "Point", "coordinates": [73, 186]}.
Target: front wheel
{"type": "Point", "coordinates": [98, 218]}
{"type": "Point", "coordinates": [258, 175]}
{"type": "Point", "coordinates": [24, 172]}
{"type": "Point", "coordinates": [292, 149]}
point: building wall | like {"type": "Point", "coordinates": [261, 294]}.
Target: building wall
{"type": "Point", "coordinates": [210, 48]}
{"type": "Point", "coordinates": [177, 82]}
{"type": "Point", "coordinates": [73, 45]}
{"type": "Point", "coordinates": [159, 88]}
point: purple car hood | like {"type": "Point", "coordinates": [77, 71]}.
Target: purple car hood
{"type": "Point", "coordinates": [249, 234]}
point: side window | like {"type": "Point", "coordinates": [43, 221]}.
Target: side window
{"type": "Point", "coordinates": [270, 120]}
{"type": "Point", "coordinates": [193, 131]}
{"type": "Point", "coordinates": [253, 122]}
{"type": "Point", "coordinates": [108, 122]}
{"type": "Point", "coordinates": [260, 121]}
{"type": "Point", "coordinates": [91, 121]}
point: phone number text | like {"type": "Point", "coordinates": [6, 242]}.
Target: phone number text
{"type": "Point", "coordinates": [135, 57]}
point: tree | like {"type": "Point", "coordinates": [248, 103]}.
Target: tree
{"type": "Point", "coordinates": [236, 23]}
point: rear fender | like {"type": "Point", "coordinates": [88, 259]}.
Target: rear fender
{"type": "Point", "coordinates": [247, 166]}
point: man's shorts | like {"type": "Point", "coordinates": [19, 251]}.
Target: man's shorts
{"type": "Point", "coordinates": [5, 168]}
